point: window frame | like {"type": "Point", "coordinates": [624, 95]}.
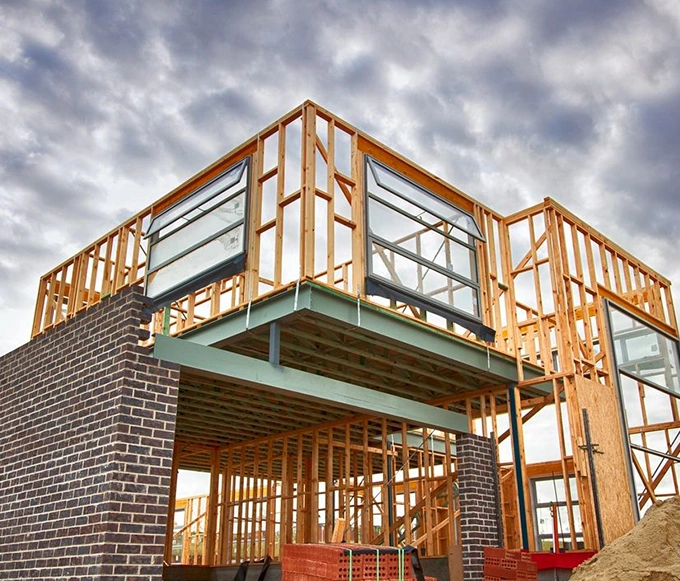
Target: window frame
{"type": "Point", "coordinates": [381, 286]}
{"type": "Point", "coordinates": [221, 269]}
{"type": "Point", "coordinates": [620, 367]}
{"type": "Point", "coordinates": [564, 537]}
{"type": "Point", "coordinates": [629, 446]}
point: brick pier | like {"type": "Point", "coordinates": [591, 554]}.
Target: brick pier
{"type": "Point", "coordinates": [87, 423]}
{"type": "Point", "coordinates": [479, 505]}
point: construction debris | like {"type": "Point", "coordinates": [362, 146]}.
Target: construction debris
{"type": "Point", "coordinates": [649, 552]}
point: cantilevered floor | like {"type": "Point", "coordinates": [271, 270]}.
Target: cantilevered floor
{"type": "Point", "coordinates": [311, 355]}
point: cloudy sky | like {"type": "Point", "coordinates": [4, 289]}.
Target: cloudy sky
{"type": "Point", "coordinates": [107, 105]}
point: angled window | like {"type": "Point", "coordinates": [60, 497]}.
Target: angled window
{"type": "Point", "coordinates": [647, 362]}
{"type": "Point", "coordinates": [200, 239]}
{"type": "Point", "coordinates": [422, 249]}
{"type": "Point", "coordinates": [644, 353]}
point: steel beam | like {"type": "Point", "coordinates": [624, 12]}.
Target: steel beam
{"type": "Point", "coordinates": [247, 371]}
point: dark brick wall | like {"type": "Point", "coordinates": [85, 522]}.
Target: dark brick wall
{"type": "Point", "coordinates": [87, 422]}
{"type": "Point", "coordinates": [479, 506]}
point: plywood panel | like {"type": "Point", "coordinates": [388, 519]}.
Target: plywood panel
{"type": "Point", "coordinates": [612, 478]}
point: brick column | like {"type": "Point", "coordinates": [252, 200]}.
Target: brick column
{"type": "Point", "coordinates": [87, 423]}
{"type": "Point", "coordinates": [479, 506]}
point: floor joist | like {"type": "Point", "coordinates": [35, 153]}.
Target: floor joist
{"type": "Point", "coordinates": [463, 355]}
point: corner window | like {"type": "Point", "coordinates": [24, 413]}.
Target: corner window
{"type": "Point", "coordinates": [200, 239]}
{"type": "Point", "coordinates": [647, 362]}
{"type": "Point", "coordinates": [422, 249]}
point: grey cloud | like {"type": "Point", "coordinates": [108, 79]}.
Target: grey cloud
{"type": "Point", "coordinates": [578, 19]}
{"type": "Point", "coordinates": [566, 125]}
{"type": "Point", "coordinates": [106, 97]}
{"type": "Point", "coordinates": [116, 29]}
{"type": "Point", "coordinates": [526, 106]}
{"type": "Point", "coordinates": [646, 175]}
{"type": "Point", "coordinates": [657, 130]}
{"type": "Point", "coordinates": [214, 108]}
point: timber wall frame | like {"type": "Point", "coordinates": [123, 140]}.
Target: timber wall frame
{"type": "Point", "coordinates": [307, 485]}
{"type": "Point", "coordinates": [543, 276]}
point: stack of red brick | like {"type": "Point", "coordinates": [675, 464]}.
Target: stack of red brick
{"type": "Point", "coordinates": [503, 564]}
{"type": "Point", "coordinates": [345, 562]}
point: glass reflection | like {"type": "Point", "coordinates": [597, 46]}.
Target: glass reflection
{"type": "Point", "coordinates": [200, 234]}
{"type": "Point", "coordinates": [421, 243]}
{"type": "Point", "coordinates": [644, 352]}
{"type": "Point", "coordinates": [390, 181]}
{"type": "Point", "coordinates": [412, 275]}
{"type": "Point", "coordinates": [197, 231]}
{"type": "Point", "coordinates": [220, 184]}
{"type": "Point", "coordinates": [195, 262]}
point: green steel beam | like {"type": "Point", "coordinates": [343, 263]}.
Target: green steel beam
{"type": "Point", "coordinates": [516, 454]}
{"type": "Point", "coordinates": [247, 371]}
{"type": "Point", "coordinates": [335, 306]}
{"type": "Point", "coordinates": [416, 441]}
{"type": "Point", "coordinates": [261, 313]}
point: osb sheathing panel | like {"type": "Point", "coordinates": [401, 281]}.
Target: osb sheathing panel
{"type": "Point", "coordinates": [610, 466]}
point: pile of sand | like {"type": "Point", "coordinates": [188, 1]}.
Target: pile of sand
{"type": "Point", "coordinates": [648, 552]}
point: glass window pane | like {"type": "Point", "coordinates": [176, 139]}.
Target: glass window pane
{"type": "Point", "coordinates": [418, 213]}
{"type": "Point", "coordinates": [550, 491]}
{"type": "Point", "coordinates": [458, 295]}
{"type": "Point", "coordinates": [388, 179]}
{"type": "Point", "coordinates": [200, 210]}
{"type": "Point", "coordinates": [448, 253]}
{"type": "Point", "coordinates": [201, 233]}
{"type": "Point", "coordinates": [392, 226]}
{"type": "Point", "coordinates": [409, 208]}
{"type": "Point", "coordinates": [224, 182]}
{"type": "Point", "coordinates": [423, 280]}
{"type": "Point", "coordinates": [544, 520]}
{"type": "Point", "coordinates": [200, 229]}
{"type": "Point", "coordinates": [203, 258]}
{"type": "Point", "coordinates": [658, 406]}
{"type": "Point", "coordinates": [429, 244]}
{"type": "Point", "coordinates": [421, 243]}
{"type": "Point", "coordinates": [643, 351]}
{"type": "Point", "coordinates": [631, 401]}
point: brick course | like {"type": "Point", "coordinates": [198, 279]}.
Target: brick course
{"type": "Point", "coordinates": [479, 506]}
{"type": "Point", "coordinates": [87, 422]}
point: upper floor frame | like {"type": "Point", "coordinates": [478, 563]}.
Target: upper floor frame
{"type": "Point", "coordinates": [538, 277]}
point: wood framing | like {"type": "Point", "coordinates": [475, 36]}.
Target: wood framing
{"type": "Point", "coordinates": [543, 276]}
{"type": "Point", "coordinates": [272, 486]}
